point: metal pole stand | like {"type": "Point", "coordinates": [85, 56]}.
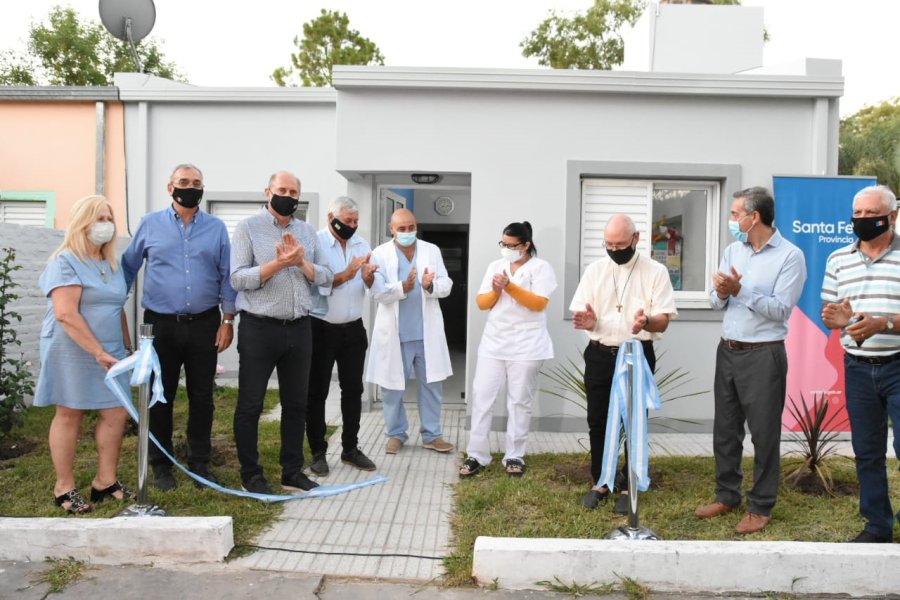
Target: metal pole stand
{"type": "Point", "coordinates": [141, 508]}
{"type": "Point", "coordinates": [632, 531]}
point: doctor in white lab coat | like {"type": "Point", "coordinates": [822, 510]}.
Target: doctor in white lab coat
{"type": "Point", "coordinates": [409, 331]}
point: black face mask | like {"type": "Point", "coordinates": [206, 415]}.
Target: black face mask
{"type": "Point", "coordinates": [284, 205]}
{"type": "Point", "coordinates": [620, 257]}
{"type": "Point", "coordinates": [869, 228]}
{"type": "Point", "coordinates": [187, 197]}
{"type": "Point", "coordinates": [344, 231]}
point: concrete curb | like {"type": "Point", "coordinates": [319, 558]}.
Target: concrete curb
{"type": "Point", "coordinates": [120, 540]}
{"type": "Point", "coordinates": [691, 566]}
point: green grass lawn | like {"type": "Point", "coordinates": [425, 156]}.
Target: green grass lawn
{"type": "Point", "coordinates": [546, 503]}
{"type": "Point", "coordinates": [26, 482]}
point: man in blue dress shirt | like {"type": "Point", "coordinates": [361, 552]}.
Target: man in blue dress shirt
{"type": "Point", "coordinates": [186, 280]}
{"type": "Point", "coordinates": [275, 260]}
{"type": "Point", "coordinates": [338, 336]}
{"type": "Point", "coordinates": [758, 284]}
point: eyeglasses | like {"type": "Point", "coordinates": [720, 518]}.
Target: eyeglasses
{"type": "Point", "coordinates": [509, 246]}
{"type": "Point", "coordinates": [188, 183]}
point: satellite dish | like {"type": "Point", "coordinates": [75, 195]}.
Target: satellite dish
{"type": "Point", "coordinates": [130, 21]}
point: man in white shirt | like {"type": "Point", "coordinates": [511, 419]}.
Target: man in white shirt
{"type": "Point", "coordinates": [620, 296]}
{"type": "Point", "coordinates": [338, 335]}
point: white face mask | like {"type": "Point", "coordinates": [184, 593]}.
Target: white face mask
{"type": "Point", "coordinates": [510, 254]}
{"type": "Point", "coordinates": [101, 232]}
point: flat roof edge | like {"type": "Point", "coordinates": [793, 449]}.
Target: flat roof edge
{"type": "Point", "coordinates": [232, 94]}
{"type": "Point", "coordinates": [549, 80]}
{"type": "Point", "coordinates": [52, 93]}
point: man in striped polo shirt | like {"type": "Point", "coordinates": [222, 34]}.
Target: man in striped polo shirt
{"type": "Point", "coordinates": [861, 296]}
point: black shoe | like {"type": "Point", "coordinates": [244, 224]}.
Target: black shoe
{"type": "Point", "coordinates": [298, 481]}
{"type": "Point", "coordinates": [867, 537]}
{"type": "Point", "coordinates": [593, 498]}
{"type": "Point", "coordinates": [163, 480]}
{"type": "Point", "coordinates": [256, 484]}
{"type": "Point", "coordinates": [319, 465]}
{"type": "Point", "coordinates": [204, 472]}
{"type": "Point", "coordinates": [356, 458]}
{"type": "Point", "coordinates": [621, 507]}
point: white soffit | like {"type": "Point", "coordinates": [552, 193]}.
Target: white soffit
{"type": "Point", "coordinates": [562, 80]}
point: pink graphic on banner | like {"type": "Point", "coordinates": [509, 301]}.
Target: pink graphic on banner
{"type": "Point", "coordinates": [808, 375]}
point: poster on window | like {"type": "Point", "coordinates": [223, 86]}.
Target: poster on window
{"type": "Point", "coordinates": [814, 213]}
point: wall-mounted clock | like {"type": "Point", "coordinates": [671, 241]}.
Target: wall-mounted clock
{"type": "Point", "coordinates": [444, 205]}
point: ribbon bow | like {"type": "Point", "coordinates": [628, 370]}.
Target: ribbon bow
{"type": "Point", "coordinates": [145, 362]}
{"type": "Point", "coordinates": [645, 396]}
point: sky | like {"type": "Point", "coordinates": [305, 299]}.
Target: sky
{"type": "Point", "coordinates": [232, 43]}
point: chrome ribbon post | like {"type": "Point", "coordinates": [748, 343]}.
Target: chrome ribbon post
{"type": "Point", "coordinates": [141, 508]}
{"type": "Point", "coordinates": [635, 410]}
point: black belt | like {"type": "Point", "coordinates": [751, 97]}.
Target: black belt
{"type": "Point", "coordinates": [282, 322]}
{"type": "Point", "coordinates": [181, 317]}
{"type": "Point", "coordinates": [339, 325]}
{"type": "Point", "coordinates": [735, 345]}
{"type": "Point", "coordinates": [875, 360]}
{"type": "Point", "coordinates": [614, 350]}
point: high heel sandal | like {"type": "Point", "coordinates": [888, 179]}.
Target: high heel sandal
{"type": "Point", "coordinates": [101, 495]}
{"type": "Point", "coordinates": [77, 504]}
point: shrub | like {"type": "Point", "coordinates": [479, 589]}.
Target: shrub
{"type": "Point", "coordinates": [16, 382]}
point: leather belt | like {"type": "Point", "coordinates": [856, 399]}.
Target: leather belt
{"type": "Point", "coordinates": [875, 360]}
{"type": "Point", "coordinates": [182, 317]}
{"type": "Point", "coordinates": [735, 345]}
{"type": "Point", "coordinates": [274, 320]}
{"type": "Point", "coordinates": [614, 350]}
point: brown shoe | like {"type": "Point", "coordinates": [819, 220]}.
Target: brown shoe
{"type": "Point", "coordinates": [752, 522]}
{"type": "Point", "coordinates": [393, 446]}
{"type": "Point", "coordinates": [714, 509]}
{"type": "Point", "coordinates": [438, 445]}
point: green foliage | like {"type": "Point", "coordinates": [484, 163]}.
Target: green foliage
{"type": "Point", "coordinates": [327, 41]}
{"type": "Point", "coordinates": [589, 40]}
{"type": "Point", "coordinates": [870, 143]}
{"type": "Point", "coordinates": [16, 382]}
{"type": "Point", "coordinates": [69, 51]}
{"type": "Point", "coordinates": [577, 590]}
{"type": "Point", "coordinates": [62, 573]}
{"type": "Point", "coordinates": [815, 440]}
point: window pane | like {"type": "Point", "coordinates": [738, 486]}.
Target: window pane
{"type": "Point", "coordinates": [679, 233]}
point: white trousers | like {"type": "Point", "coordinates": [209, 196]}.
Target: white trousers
{"type": "Point", "coordinates": [520, 377]}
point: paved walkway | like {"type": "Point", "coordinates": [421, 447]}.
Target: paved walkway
{"type": "Point", "coordinates": [408, 516]}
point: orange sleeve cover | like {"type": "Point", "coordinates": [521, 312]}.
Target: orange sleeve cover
{"type": "Point", "coordinates": [529, 300]}
{"type": "Point", "coordinates": [487, 300]}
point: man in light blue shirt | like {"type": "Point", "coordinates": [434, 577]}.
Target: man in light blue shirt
{"type": "Point", "coordinates": [758, 284]}
{"type": "Point", "coordinates": [338, 335]}
{"type": "Point", "coordinates": [186, 280]}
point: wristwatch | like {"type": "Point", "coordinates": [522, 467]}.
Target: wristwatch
{"type": "Point", "coordinates": [227, 321]}
{"type": "Point", "coordinates": [889, 326]}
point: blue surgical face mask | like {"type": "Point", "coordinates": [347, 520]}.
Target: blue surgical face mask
{"type": "Point", "coordinates": [406, 238]}
{"type": "Point", "coordinates": [735, 228]}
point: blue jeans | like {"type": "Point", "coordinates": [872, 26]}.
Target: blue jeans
{"type": "Point", "coordinates": [429, 398]}
{"type": "Point", "coordinates": [873, 394]}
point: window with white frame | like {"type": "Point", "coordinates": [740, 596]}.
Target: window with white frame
{"type": "Point", "coordinates": [678, 222]}
{"type": "Point", "coordinates": [23, 212]}
{"type": "Point", "coordinates": [232, 212]}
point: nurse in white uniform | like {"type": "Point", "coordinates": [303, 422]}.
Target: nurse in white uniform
{"type": "Point", "coordinates": [514, 345]}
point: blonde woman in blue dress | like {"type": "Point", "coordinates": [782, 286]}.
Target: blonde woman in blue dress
{"type": "Point", "coordinates": [84, 333]}
{"type": "Point", "coordinates": [514, 345]}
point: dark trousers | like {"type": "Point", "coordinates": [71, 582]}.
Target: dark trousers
{"type": "Point", "coordinates": [749, 386]}
{"type": "Point", "coordinates": [265, 345]}
{"type": "Point", "coordinates": [599, 368]}
{"type": "Point", "coordinates": [873, 395]}
{"type": "Point", "coordinates": [191, 344]}
{"type": "Point", "coordinates": [345, 344]}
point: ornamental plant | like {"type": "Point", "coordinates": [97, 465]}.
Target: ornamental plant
{"type": "Point", "coordinates": [16, 382]}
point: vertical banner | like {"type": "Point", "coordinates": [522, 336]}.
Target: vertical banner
{"type": "Point", "coordinates": [814, 213]}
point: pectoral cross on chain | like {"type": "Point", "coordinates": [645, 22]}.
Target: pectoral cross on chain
{"type": "Point", "coordinates": [618, 307]}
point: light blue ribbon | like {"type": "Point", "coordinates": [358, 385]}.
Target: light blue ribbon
{"type": "Point", "coordinates": [145, 362]}
{"type": "Point", "coordinates": [646, 396]}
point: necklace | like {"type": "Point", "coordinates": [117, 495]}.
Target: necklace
{"type": "Point", "coordinates": [620, 297]}
{"type": "Point", "coordinates": [103, 275]}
